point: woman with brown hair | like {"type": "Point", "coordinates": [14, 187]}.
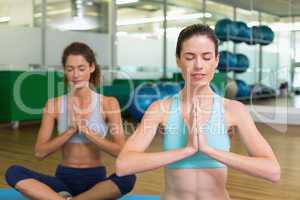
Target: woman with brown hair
{"type": "Point", "coordinates": [195, 124]}
{"type": "Point", "coordinates": [83, 118]}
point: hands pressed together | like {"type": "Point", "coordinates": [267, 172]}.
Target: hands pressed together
{"type": "Point", "coordinates": [78, 123]}
{"type": "Point", "coordinates": [197, 141]}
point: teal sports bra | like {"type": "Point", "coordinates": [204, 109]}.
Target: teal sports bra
{"type": "Point", "coordinates": [175, 135]}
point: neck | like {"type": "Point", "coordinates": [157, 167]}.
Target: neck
{"type": "Point", "coordinates": [81, 92]}
{"type": "Point", "coordinates": [189, 92]}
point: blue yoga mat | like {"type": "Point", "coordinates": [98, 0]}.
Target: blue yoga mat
{"type": "Point", "coordinates": [11, 194]}
{"type": "Point", "coordinates": [142, 197]}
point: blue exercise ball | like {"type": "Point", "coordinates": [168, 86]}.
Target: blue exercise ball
{"type": "Point", "coordinates": [225, 29]}
{"type": "Point", "coordinates": [262, 35]}
{"type": "Point", "coordinates": [227, 61]}
{"type": "Point", "coordinates": [257, 34]}
{"type": "Point", "coordinates": [243, 89]}
{"type": "Point", "coordinates": [242, 63]}
{"type": "Point", "coordinates": [268, 35]}
{"type": "Point", "coordinates": [167, 89]}
{"type": "Point", "coordinates": [244, 33]}
{"type": "Point", "coordinates": [142, 97]}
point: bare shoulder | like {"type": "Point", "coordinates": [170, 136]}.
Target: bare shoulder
{"type": "Point", "coordinates": [234, 109]}
{"type": "Point", "coordinates": [109, 102]}
{"type": "Point", "coordinates": [161, 105]}
{"type": "Point", "coordinates": [235, 105]}
{"type": "Point", "coordinates": [52, 106]}
{"type": "Point", "coordinates": [159, 110]}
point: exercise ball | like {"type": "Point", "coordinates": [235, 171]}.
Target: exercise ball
{"type": "Point", "coordinates": [244, 32]}
{"type": "Point", "coordinates": [167, 89]}
{"type": "Point", "coordinates": [231, 89]}
{"type": "Point", "coordinates": [257, 34]}
{"type": "Point", "coordinates": [268, 35]}
{"type": "Point", "coordinates": [242, 63]}
{"type": "Point", "coordinates": [142, 97]}
{"type": "Point", "coordinates": [225, 29]}
{"type": "Point", "coordinates": [227, 61]}
{"type": "Point", "coordinates": [243, 89]}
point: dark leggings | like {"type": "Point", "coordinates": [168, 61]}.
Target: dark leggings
{"type": "Point", "coordinates": [72, 180]}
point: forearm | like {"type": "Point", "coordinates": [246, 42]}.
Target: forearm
{"type": "Point", "coordinates": [105, 145]}
{"type": "Point", "coordinates": [43, 150]}
{"type": "Point", "coordinates": [131, 162]}
{"type": "Point", "coordinates": [265, 168]}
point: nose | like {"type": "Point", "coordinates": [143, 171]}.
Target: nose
{"type": "Point", "coordinates": [198, 65]}
{"type": "Point", "coordinates": [75, 73]}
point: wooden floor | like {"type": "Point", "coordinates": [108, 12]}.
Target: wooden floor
{"type": "Point", "coordinates": [16, 147]}
{"type": "Point", "coordinates": [285, 101]}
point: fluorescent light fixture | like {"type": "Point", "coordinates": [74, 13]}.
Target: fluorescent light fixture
{"type": "Point", "coordinates": [207, 15]}
{"type": "Point", "coordinates": [161, 18]}
{"type": "Point", "coordinates": [4, 19]}
{"type": "Point", "coordinates": [120, 2]}
{"type": "Point", "coordinates": [178, 11]}
{"type": "Point", "coordinates": [77, 23]}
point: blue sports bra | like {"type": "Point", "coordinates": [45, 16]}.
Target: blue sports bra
{"type": "Point", "coordinates": [95, 121]}
{"type": "Point", "coordinates": [175, 135]}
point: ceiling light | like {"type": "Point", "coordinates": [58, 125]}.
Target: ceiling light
{"type": "Point", "coordinates": [161, 18]}
{"type": "Point", "coordinates": [120, 2]}
{"type": "Point", "coordinates": [4, 19]}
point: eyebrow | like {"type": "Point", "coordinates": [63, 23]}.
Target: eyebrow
{"type": "Point", "coordinates": [204, 53]}
{"type": "Point", "coordinates": [189, 53]}
{"type": "Point", "coordinates": [74, 66]}
{"type": "Point", "coordinates": [207, 53]}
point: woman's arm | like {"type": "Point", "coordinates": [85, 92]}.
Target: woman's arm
{"type": "Point", "coordinates": [44, 145]}
{"type": "Point", "coordinates": [114, 120]}
{"type": "Point", "coordinates": [262, 161]}
{"type": "Point", "coordinates": [133, 158]}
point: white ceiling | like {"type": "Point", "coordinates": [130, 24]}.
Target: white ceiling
{"type": "Point", "coordinates": [281, 8]}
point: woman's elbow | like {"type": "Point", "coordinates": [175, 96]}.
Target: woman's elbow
{"type": "Point", "coordinates": [121, 167]}
{"type": "Point", "coordinates": [117, 150]}
{"type": "Point", "coordinates": [275, 174]}
{"type": "Point", "coordinates": [39, 155]}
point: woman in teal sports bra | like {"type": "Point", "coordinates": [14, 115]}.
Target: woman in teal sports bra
{"type": "Point", "coordinates": [83, 119]}
{"type": "Point", "coordinates": [195, 124]}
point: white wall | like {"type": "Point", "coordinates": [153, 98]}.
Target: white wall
{"type": "Point", "coordinates": [134, 51]}
{"type": "Point", "coordinates": [56, 41]}
{"type": "Point", "coordinates": [21, 46]}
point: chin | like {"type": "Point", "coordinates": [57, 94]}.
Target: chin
{"type": "Point", "coordinates": [79, 86]}
{"type": "Point", "coordinates": [199, 84]}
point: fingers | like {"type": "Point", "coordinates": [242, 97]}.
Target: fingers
{"type": "Point", "coordinates": [196, 124]}
{"type": "Point", "coordinates": [195, 116]}
{"type": "Point", "coordinates": [194, 127]}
